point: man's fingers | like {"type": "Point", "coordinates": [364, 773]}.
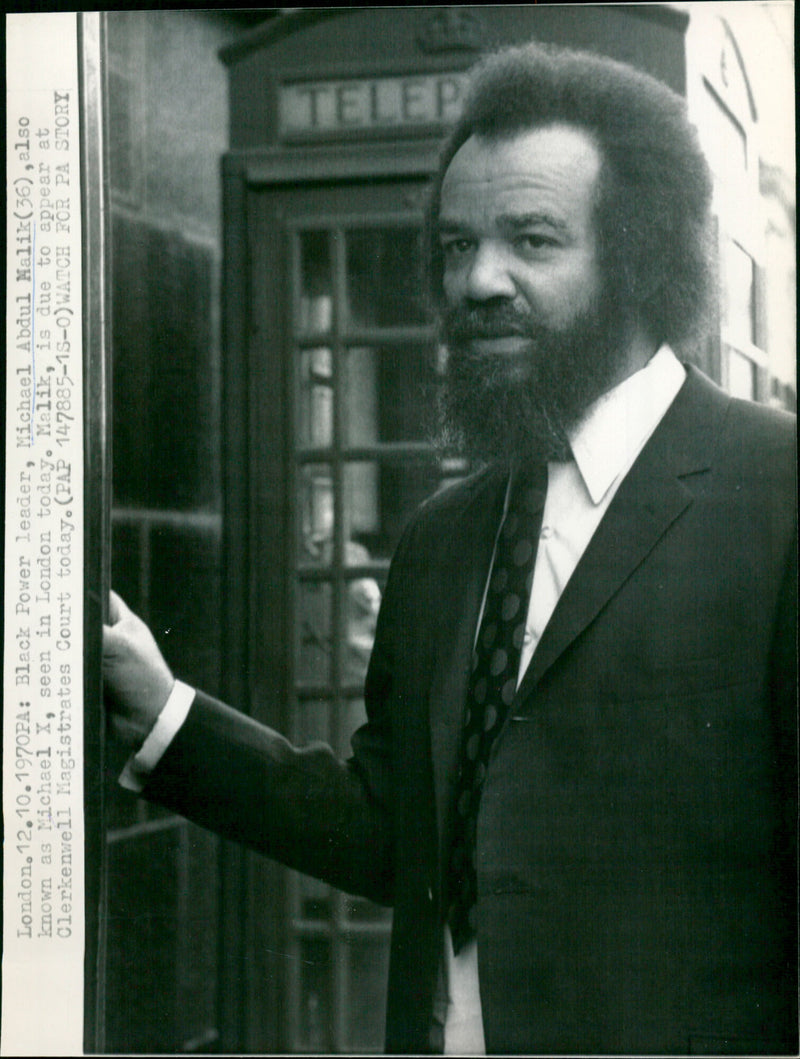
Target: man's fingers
{"type": "Point", "coordinates": [117, 608]}
{"type": "Point", "coordinates": [115, 643]}
{"type": "Point", "coordinates": [137, 677]}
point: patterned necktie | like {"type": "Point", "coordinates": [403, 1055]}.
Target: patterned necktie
{"type": "Point", "coordinates": [493, 684]}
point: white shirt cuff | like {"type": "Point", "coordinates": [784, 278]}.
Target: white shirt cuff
{"type": "Point", "coordinates": [139, 765]}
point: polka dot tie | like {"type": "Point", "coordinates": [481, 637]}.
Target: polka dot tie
{"type": "Point", "coordinates": [493, 684]}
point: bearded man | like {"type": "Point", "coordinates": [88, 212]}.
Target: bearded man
{"type": "Point", "coordinates": [576, 785]}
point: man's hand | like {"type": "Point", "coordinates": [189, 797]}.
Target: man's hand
{"type": "Point", "coordinates": [137, 678]}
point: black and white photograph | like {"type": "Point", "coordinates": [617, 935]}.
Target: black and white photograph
{"type": "Point", "coordinates": [400, 601]}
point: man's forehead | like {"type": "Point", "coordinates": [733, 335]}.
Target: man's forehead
{"type": "Point", "coordinates": [557, 161]}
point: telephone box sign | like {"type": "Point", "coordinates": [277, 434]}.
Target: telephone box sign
{"type": "Point", "coordinates": [370, 103]}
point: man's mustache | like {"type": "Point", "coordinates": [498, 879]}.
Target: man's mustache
{"type": "Point", "coordinates": [462, 323]}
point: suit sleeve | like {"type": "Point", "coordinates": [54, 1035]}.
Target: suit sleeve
{"type": "Point", "coordinates": [301, 806]}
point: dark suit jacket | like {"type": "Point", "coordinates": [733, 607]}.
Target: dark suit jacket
{"type": "Point", "coordinates": [636, 870]}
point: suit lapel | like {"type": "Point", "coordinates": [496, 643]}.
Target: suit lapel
{"type": "Point", "coordinates": [653, 495]}
{"type": "Point", "coordinates": [465, 571]}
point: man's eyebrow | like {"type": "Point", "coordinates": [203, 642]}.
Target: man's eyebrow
{"type": "Point", "coordinates": [514, 221]}
{"type": "Point", "coordinates": [450, 227]}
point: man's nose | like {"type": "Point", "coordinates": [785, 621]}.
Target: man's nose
{"type": "Point", "coordinates": [488, 275]}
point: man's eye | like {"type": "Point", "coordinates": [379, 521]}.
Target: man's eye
{"type": "Point", "coordinates": [533, 241]}
{"type": "Point", "coordinates": [456, 247]}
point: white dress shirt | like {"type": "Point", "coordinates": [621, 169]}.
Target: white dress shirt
{"type": "Point", "coordinates": [604, 445]}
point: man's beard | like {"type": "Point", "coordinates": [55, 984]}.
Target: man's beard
{"type": "Point", "coordinates": [522, 406]}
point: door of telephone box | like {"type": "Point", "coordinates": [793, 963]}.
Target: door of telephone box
{"type": "Point", "coordinates": [332, 374]}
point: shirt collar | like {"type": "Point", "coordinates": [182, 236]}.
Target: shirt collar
{"type": "Point", "coordinates": [617, 425]}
